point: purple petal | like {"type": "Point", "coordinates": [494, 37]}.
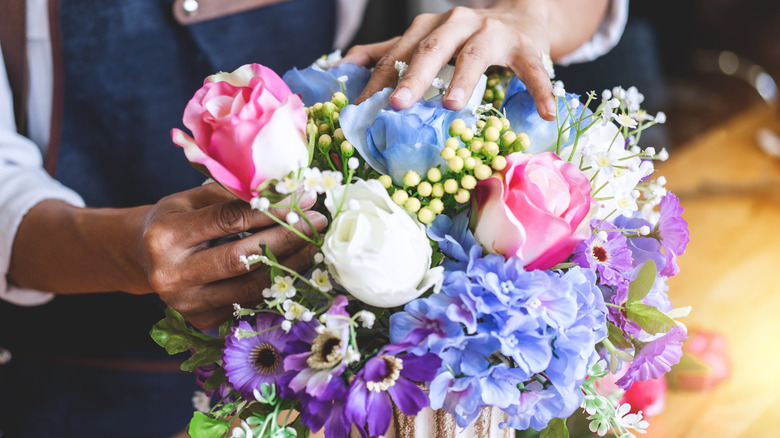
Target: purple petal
{"type": "Point", "coordinates": [356, 403]}
{"type": "Point", "coordinates": [420, 368]}
{"type": "Point", "coordinates": [381, 413]}
{"type": "Point", "coordinates": [409, 398]}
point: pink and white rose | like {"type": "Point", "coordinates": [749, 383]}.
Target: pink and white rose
{"type": "Point", "coordinates": [247, 128]}
{"type": "Point", "coordinates": [536, 209]}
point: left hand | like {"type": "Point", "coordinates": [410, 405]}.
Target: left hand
{"type": "Point", "coordinates": [510, 34]}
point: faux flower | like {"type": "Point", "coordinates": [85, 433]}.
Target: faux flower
{"type": "Point", "coordinates": [537, 210]}
{"type": "Point", "coordinates": [316, 84]}
{"type": "Point", "coordinates": [386, 379]}
{"type": "Point", "coordinates": [247, 128]}
{"type": "Point", "coordinates": [648, 396]}
{"type": "Point", "coordinates": [705, 363]}
{"type": "Point", "coordinates": [673, 230]}
{"type": "Point", "coordinates": [374, 249]}
{"type": "Point", "coordinates": [326, 358]}
{"type": "Point", "coordinates": [611, 257]}
{"type": "Point", "coordinates": [656, 358]}
{"type": "Point", "coordinates": [395, 142]}
{"type": "Point", "coordinates": [254, 353]}
{"type": "Point", "coordinates": [521, 111]}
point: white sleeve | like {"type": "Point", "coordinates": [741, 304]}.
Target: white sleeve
{"type": "Point", "coordinates": [23, 184]}
{"type": "Point", "coordinates": [606, 37]}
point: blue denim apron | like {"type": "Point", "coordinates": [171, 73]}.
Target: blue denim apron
{"type": "Point", "coordinates": [130, 69]}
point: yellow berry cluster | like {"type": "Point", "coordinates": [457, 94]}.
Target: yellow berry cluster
{"type": "Point", "coordinates": [470, 158]}
{"type": "Point", "coordinates": [495, 89]}
{"type": "Point", "coordinates": [323, 127]}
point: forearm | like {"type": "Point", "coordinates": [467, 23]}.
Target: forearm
{"type": "Point", "coordinates": [65, 249]}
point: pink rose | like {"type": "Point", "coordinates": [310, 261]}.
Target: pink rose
{"type": "Point", "coordinates": [538, 211]}
{"type": "Point", "coordinates": [247, 127]}
{"type": "Point", "coordinates": [648, 396]}
{"type": "Point", "coordinates": [705, 363]}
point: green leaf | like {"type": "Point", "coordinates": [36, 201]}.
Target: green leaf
{"type": "Point", "coordinates": [615, 335]}
{"type": "Point", "coordinates": [556, 428]}
{"type": "Point", "coordinates": [215, 379]}
{"type": "Point", "coordinates": [203, 426]}
{"type": "Point", "coordinates": [203, 355]}
{"type": "Point", "coordinates": [641, 285]}
{"type": "Point", "coordinates": [649, 318]}
{"type": "Point", "coordinates": [173, 333]}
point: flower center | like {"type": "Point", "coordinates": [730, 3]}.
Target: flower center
{"type": "Point", "coordinates": [394, 366]}
{"type": "Point", "coordinates": [600, 253]}
{"type": "Point", "coordinates": [325, 352]}
{"type": "Point", "coordinates": [265, 358]}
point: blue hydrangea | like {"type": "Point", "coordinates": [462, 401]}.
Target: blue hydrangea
{"type": "Point", "coordinates": [523, 117]}
{"type": "Point", "coordinates": [394, 142]}
{"type": "Point", "coordinates": [317, 85]}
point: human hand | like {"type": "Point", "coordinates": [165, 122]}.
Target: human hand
{"type": "Point", "coordinates": [202, 281]}
{"type": "Point", "coordinates": [510, 34]}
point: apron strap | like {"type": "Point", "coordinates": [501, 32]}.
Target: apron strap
{"type": "Point", "coordinates": [13, 37]}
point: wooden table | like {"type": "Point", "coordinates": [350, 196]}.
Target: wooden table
{"type": "Point", "coordinates": [730, 274]}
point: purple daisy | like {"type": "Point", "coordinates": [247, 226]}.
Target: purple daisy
{"type": "Point", "coordinates": [656, 358]}
{"type": "Point", "coordinates": [253, 359]}
{"type": "Point", "coordinates": [673, 230]}
{"type": "Point", "coordinates": [327, 357]}
{"type": "Point", "coordinates": [611, 258]}
{"type": "Point", "coordinates": [383, 378]}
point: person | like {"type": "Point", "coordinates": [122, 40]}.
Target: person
{"type": "Point", "coordinates": [123, 211]}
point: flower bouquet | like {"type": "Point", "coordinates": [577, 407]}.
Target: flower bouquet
{"type": "Point", "coordinates": [474, 259]}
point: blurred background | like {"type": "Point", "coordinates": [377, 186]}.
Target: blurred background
{"type": "Point", "coordinates": [700, 61]}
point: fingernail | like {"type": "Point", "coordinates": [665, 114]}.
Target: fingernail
{"type": "Point", "coordinates": [317, 219]}
{"type": "Point", "coordinates": [455, 95]}
{"type": "Point", "coordinates": [402, 94]}
{"type": "Point", "coordinates": [549, 109]}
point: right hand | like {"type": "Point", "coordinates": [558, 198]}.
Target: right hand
{"type": "Point", "coordinates": [200, 280]}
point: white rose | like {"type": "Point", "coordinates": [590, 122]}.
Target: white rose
{"type": "Point", "coordinates": [376, 250]}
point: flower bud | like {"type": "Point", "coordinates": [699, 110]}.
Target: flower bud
{"type": "Point", "coordinates": [468, 182]}
{"type": "Point", "coordinates": [462, 196]}
{"type": "Point", "coordinates": [338, 135]}
{"type": "Point", "coordinates": [469, 163]}
{"type": "Point", "coordinates": [347, 149]}
{"type": "Point", "coordinates": [488, 95]}
{"type": "Point", "coordinates": [476, 145]}
{"type": "Point", "coordinates": [317, 110]}
{"type": "Point", "coordinates": [324, 142]}
{"type": "Point", "coordinates": [340, 99]}
{"type": "Point", "coordinates": [328, 109]}
{"type": "Point", "coordinates": [411, 178]}
{"type": "Point", "coordinates": [324, 128]}
{"type": "Point", "coordinates": [480, 124]}
{"type": "Point", "coordinates": [483, 171]}
{"type": "Point", "coordinates": [452, 143]}
{"type": "Point", "coordinates": [455, 163]}
{"type": "Point", "coordinates": [437, 190]}
{"type": "Point", "coordinates": [494, 122]}
{"type": "Point", "coordinates": [467, 135]}
{"type": "Point", "coordinates": [434, 174]}
{"type": "Point", "coordinates": [426, 215]}
{"type": "Point", "coordinates": [425, 189]}
{"type": "Point", "coordinates": [492, 133]}
{"type": "Point", "coordinates": [507, 138]}
{"type": "Point", "coordinates": [521, 143]}
{"type": "Point", "coordinates": [456, 127]}
{"type": "Point", "coordinates": [400, 197]}
{"type": "Point", "coordinates": [450, 186]}
{"type": "Point", "coordinates": [412, 205]}
{"type": "Point", "coordinates": [491, 149]}
{"type": "Point", "coordinates": [311, 129]}
{"type": "Point", "coordinates": [386, 181]}
{"type": "Point", "coordinates": [499, 162]}
{"type": "Point", "coordinates": [447, 153]}
{"type": "Point", "coordinates": [464, 153]}
{"type": "Point", "coordinates": [436, 205]}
